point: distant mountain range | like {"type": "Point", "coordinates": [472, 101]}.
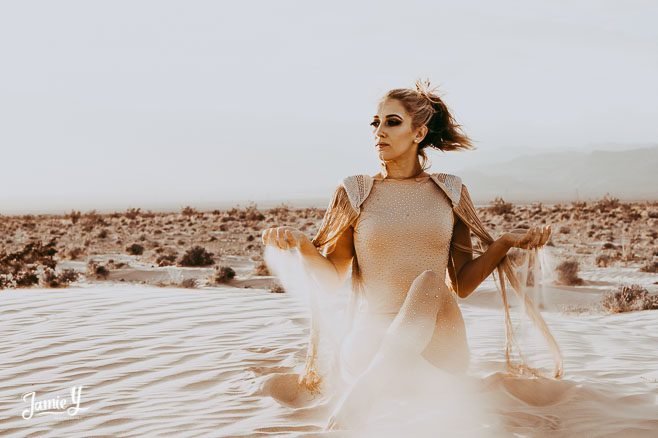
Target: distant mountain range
{"type": "Point", "coordinates": [630, 174]}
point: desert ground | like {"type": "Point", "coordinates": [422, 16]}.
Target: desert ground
{"type": "Point", "coordinates": [172, 322]}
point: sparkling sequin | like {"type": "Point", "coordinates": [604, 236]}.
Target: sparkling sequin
{"type": "Point", "coordinates": [401, 241]}
{"type": "Point", "coordinates": [404, 228]}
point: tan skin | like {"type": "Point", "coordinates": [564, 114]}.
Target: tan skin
{"type": "Point", "coordinates": [401, 157]}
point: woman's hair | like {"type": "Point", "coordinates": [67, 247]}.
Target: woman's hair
{"type": "Point", "coordinates": [427, 108]}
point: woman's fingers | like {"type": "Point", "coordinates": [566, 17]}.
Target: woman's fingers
{"type": "Point", "coordinates": [281, 237]}
{"type": "Point", "coordinates": [289, 238]}
{"type": "Point", "coordinates": [531, 238]}
{"type": "Point", "coordinates": [546, 235]}
{"type": "Point", "coordinates": [537, 237]}
{"type": "Point", "coordinates": [266, 236]}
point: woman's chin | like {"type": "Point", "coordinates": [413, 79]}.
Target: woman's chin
{"type": "Point", "coordinates": [384, 155]}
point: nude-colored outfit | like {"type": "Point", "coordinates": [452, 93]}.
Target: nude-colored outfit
{"type": "Point", "coordinates": [404, 228]}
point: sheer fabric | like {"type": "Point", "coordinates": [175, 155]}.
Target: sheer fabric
{"type": "Point", "coordinates": [345, 210]}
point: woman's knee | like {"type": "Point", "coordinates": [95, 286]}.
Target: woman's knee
{"type": "Point", "coordinates": [428, 279]}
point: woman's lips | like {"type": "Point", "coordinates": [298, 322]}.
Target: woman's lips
{"type": "Point", "coordinates": [381, 145]}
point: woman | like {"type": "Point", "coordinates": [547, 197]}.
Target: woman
{"type": "Point", "coordinates": [400, 231]}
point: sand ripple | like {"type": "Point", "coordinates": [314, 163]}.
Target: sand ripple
{"type": "Point", "coordinates": [159, 361]}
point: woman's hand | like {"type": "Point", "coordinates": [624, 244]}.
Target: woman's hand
{"type": "Point", "coordinates": [285, 237]}
{"type": "Point", "coordinates": [535, 237]}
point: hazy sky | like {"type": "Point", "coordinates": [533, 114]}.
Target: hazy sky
{"type": "Point", "coordinates": [110, 104]}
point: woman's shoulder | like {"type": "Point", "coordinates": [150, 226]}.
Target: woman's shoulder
{"type": "Point", "coordinates": [450, 184]}
{"type": "Point", "coordinates": [358, 186]}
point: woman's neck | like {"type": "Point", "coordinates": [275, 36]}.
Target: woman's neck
{"type": "Point", "coordinates": [392, 171]}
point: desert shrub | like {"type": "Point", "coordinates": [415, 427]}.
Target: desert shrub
{"type": "Point", "coordinates": [132, 213]}
{"type": "Point", "coordinates": [607, 203]}
{"type": "Point", "coordinates": [224, 274]}
{"type": "Point", "coordinates": [135, 249]}
{"type": "Point", "coordinates": [166, 260]}
{"type": "Point", "coordinates": [101, 271]}
{"type": "Point", "coordinates": [629, 299]}
{"type": "Point", "coordinates": [102, 234]}
{"type": "Point", "coordinates": [499, 206]}
{"type": "Point", "coordinates": [261, 269]}
{"type": "Point", "coordinates": [24, 277]}
{"type": "Point", "coordinates": [54, 280]}
{"type": "Point", "coordinates": [282, 209]}
{"type": "Point", "coordinates": [188, 283]}
{"type": "Point", "coordinates": [74, 216]}
{"type": "Point", "coordinates": [97, 271]}
{"type": "Point", "coordinates": [92, 219]}
{"type": "Point", "coordinates": [567, 273]}
{"type": "Point", "coordinates": [651, 267]}
{"type": "Point", "coordinates": [189, 211]}
{"type": "Point", "coordinates": [7, 281]}
{"type": "Point", "coordinates": [251, 213]}
{"type": "Point", "coordinates": [197, 256]}
{"type": "Point", "coordinates": [27, 277]}
{"type": "Point", "coordinates": [632, 216]}
{"type": "Point", "coordinates": [604, 260]}
{"type": "Point", "coordinates": [21, 268]}
{"type": "Point", "coordinates": [565, 230]}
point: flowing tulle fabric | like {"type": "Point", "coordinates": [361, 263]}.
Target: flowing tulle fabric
{"type": "Point", "coordinates": [413, 396]}
{"type": "Point", "coordinates": [419, 399]}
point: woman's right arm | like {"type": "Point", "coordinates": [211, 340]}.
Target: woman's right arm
{"type": "Point", "coordinates": [331, 270]}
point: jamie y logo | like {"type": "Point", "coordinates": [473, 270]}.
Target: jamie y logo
{"type": "Point", "coordinates": [58, 405]}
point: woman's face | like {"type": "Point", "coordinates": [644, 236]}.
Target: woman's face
{"type": "Point", "coordinates": [393, 133]}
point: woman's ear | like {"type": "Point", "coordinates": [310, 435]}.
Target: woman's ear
{"type": "Point", "coordinates": [421, 133]}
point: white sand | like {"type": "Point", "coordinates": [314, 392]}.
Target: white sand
{"type": "Point", "coordinates": [157, 361]}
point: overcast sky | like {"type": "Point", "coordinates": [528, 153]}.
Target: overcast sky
{"type": "Point", "coordinates": [110, 104]}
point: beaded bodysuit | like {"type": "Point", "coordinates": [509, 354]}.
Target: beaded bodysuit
{"type": "Point", "coordinates": [403, 229]}
{"type": "Point", "coordinates": [396, 213]}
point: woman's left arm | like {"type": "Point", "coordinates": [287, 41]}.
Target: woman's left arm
{"type": "Point", "coordinates": [469, 271]}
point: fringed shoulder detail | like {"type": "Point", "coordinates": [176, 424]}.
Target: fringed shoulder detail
{"type": "Point", "coordinates": [451, 185]}
{"type": "Point", "coordinates": [466, 211]}
{"type": "Point", "coordinates": [358, 188]}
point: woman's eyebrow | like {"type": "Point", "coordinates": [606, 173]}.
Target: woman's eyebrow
{"type": "Point", "coordinates": [388, 115]}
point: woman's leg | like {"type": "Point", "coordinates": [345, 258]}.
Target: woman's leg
{"type": "Point", "coordinates": [408, 336]}
{"type": "Point", "coordinates": [448, 349]}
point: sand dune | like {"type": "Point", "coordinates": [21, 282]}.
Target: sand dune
{"type": "Point", "coordinates": [156, 361]}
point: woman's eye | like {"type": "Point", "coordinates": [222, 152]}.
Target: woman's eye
{"type": "Point", "coordinates": [389, 123]}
